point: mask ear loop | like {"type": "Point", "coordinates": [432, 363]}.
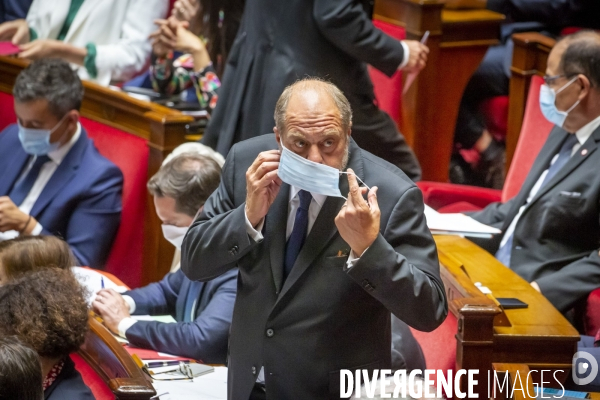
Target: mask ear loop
{"type": "Point", "coordinates": [360, 180]}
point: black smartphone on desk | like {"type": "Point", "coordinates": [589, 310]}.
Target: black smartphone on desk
{"type": "Point", "coordinates": [511, 303]}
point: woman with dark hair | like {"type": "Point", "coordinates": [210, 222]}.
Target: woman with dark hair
{"type": "Point", "coordinates": [20, 371]}
{"type": "Point", "coordinates": [31, 253]}
{"type": "Point", "coordinates": [47, 310]}
{"type": "Point", "coordinates": [204, 31]}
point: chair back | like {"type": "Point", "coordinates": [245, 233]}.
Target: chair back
{"type": "Point", "coordinates": [534, 132]}
{"type": "Point", "coordinates": [7, 110]}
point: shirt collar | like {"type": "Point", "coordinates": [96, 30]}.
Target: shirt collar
{"type": "Point", "coordinates": [584, 133]}
{"type": "Point", "coordinates": [319, 198]}
{"type": "Point", "coordinates": [59, 154]}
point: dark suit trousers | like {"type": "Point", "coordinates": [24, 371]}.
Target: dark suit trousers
{"type": "Point", "coordinates": [375, 131]}
{"type": "Point", "coordinates": [489, 80]}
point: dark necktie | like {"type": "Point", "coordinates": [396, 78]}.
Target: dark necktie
{"type": "Point", "coordinates": [503, 254]}
{"type": "Point", "coordinates": [22, 188]}
{"type": "Point", "coordinates": [296, 240]}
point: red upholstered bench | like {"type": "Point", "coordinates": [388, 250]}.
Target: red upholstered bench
{"type": "Point", "coordinates": [439, 345]}
{"type": "Point", "coordinates": [130, 153]}
{"type": "Point", "coordinates": [7, 110]}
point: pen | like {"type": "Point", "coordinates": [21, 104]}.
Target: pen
{"type": "Point", "coordinates": [410, 78]}
{"type": "Point", "coordinates": [158, 364]}
{"type": "Point", "coordinates": [102, 282]}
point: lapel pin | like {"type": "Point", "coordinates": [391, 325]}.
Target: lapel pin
{"type": "Point", "coordinates": [584, 152]}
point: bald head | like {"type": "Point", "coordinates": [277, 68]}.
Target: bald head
{"type": "Point", "coordinates": [312, 94]}
{"type": "Point", "coordinates": [580, 54]}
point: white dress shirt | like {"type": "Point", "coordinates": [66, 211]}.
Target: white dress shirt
{"type": "Point", "coordinates": [582, 136]}
{"type": "Point", "coordinates": [46, 172]}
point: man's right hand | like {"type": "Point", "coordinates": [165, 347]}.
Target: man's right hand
{"type": "Point", "coordinates": [16, 31]}
{"type": "Point", "coordinates": [262, 185]}
{"type": "Point", "coordinates": [417, 56]}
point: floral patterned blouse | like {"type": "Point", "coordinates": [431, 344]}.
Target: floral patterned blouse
{"type": "Point", "coordinates": [172, 76]}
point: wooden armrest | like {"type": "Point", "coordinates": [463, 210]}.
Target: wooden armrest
{"type": "Point", "coordinates": [114, 365]}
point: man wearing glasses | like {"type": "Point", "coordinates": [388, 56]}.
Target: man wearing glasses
{"type": "Point", "coordinates": [551, 231]}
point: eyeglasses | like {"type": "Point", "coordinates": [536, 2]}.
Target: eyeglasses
{"type": "Point", "coordinates": [548, 79]}
{"type": "Point", "coordinates": [180, 373]}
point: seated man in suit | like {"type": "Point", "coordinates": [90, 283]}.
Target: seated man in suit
{"type": "Point", "coordinates": [318, 275]}
{"type": "Point", "coordinates": [203, 310]}
{"type": "Point", "coordinates": [551, 231]}
{"type": "Point", "coordinates": [52, 178]}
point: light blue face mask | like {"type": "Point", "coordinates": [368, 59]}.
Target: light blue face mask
{"type": "Point", "coordinates": [37, 141]}
{"type": "Point", "coordinates": [309, 175]}
{"type": "Point", "coordinates": [548, 104]}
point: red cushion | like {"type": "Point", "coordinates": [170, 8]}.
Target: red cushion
{"type": "Point", "coordinates": [592, 314]}
{"type": "Point", "coordinates": [130, 153]}
{"type": "Point", "coordinates": [99, 388]}
{"type": "Point", "coordinates": [7, 115]}
{"type": "Point", "coordinates": [388, 91]}
{"type": "Point", "coordinates": [534, 132]}
{"type": "Point", "coordinates": [439, 194]}
{"type": "Point", "coordinates": [439, 346]}
{"type": "Point", "coordinates": [495, 111]}
{"type": "Point", "coordinates": [460, 207]}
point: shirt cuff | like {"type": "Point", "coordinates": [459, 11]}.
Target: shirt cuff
{"type": "Point", "coordinates": [254, 233]}
{"type": "Point", "coordinates": [37, 230]}
{"type": "Point", "coordinates": [89, 62]}
{"type": "Point", "coordinates": [352, 259]}
{"type": "Point", "coordinates": [406, 55]}
{"type": "Point", "coordinates": [130, 302]}
{"type": "Point", "coordinates": [125, 324]}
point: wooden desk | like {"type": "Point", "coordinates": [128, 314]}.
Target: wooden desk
{"type": "Point", "coordinates": [538, 336]}
{"type": "Point", "coordinates": [162, 128]}
{"type": "Point", "coordinates": [458, 41]}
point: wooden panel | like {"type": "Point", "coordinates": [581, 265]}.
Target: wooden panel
{"type": "Point", "coordinates": [458, 41]}
{"type": "Point", "coordinates": [114, 364]}
{"type": "Point", "coordinates": [163, 128]}
{"type": "Point", "coordinates": [486, 333]}
{"type": "Point", "coordinates": [530, 56]}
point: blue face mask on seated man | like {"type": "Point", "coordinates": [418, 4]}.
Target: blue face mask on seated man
{"type": "Point", "coordinates": [37, 141]}
{"type": "Point", "coordinates": [548, 104]}
{"type": "Point", "coordinates": [308, 175]}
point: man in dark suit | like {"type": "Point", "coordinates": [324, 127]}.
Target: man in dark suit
{"type": "Point", "coordinates": [320, 302]}
{"type": "Point", "coordinates": [279, 42]}
{"type": "Point", "coordinates": [551, 231]}
{"type": "Point", "coordinates": [53, 181]}
{"type": "Point", "coordinates": [491, 79]}
{"type": "Point", "coordinates": [202, 310]}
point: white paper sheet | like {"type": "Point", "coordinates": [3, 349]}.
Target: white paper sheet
{"type": "Point", "coordinates": [457, 224]}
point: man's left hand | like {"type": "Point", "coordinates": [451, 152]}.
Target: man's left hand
{"type": "Point", "coordinates": [358, 221]}
{"type": "Point", "coordinates": [112, 308]}
{"type": "Point", "coordinates": [11, 218]}
{"type": "Point", "coordinates": [40, 48]}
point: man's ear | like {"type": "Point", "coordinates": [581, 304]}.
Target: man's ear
{"type": "Point", "coordinates": [585, 86]}
{"type": "Point", "coordinates": [277, 135]}
{"type": "Point", "coordinates": [349, 133]}
{"type": "Point", "coordinates": [73, 117]}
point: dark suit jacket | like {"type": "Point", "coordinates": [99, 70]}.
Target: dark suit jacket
{"type": "Point", "coordinates": [68, 385]}
{"type": "Point", "coordinates": [323, 318]}
{"type": "Point", "coordinates": [81, 202]}
{"type": "Point", "coordinates": [279, 42]}
{"type": "Point", "coordinates": [203, 339]}
{"type": "Point", "coordinates": [13, 9]}
{"type": "Point", "coordinates": [557, 238]}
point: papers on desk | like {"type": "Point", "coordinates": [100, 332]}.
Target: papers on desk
{"type": "Point", "coordinates": [158, 318]}
{"type": "Point", "coordinates": [93, 281]}
{"type": "Point", "coordinates": [211, 386]}
{"type": "Point", "coordinates": [457, 224]}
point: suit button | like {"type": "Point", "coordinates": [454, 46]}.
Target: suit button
{"type": "Point", "coordinates": [233, 251]}
{"type": "Point", "coordinates": [270, 332]}
{"type": "Point", "coordinates": [253, 370]}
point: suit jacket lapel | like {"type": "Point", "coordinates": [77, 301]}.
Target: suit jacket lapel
{"type": "Point", "coordinates": [548, 151]}
{"type": "Point", "coordinates": [17, 161]}
{"type": "Point", "coordinates": [324, 228]}
{"type": "Point", "coordinates": [276, 224]}
{"type": "Point", "coordinates": [576, 159]}
{"type": "Point", "coordinates": [63, 174]}
{"type": "Point", "coordinates": [82, 14]}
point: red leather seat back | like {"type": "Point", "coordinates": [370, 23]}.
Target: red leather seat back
{"type": "Point", "coordinates": [388, 91]}
{"type": "Point", "coordinates": [130, 153]}
{"type": "Point", "coordinates": [439, 345]}
{"type": "Point", "coordinates": [7, 110]}
{"type": "Point", "coordinates": [495, 111]}
{"type": "Point", "coordinates": [534, 132]}
{"type": "Point", "coordinates": [99, 388]}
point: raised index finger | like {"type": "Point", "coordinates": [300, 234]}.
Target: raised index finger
{"type": "Point", "coordinates": [265, 156]}
{"type": "Point", "coordinates": [355, 196]}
